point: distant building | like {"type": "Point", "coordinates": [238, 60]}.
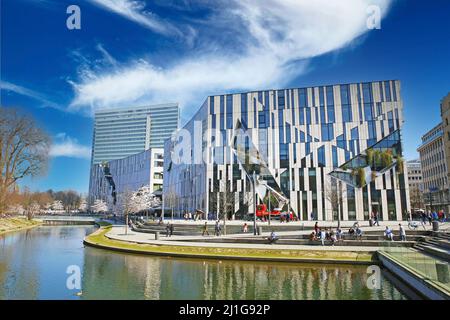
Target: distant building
{"type": "Point", "coordinates": [127, 174]}
{"type": "Point", "coordinates": [129, 141]}
{"type": "Point", "coordinates": [415, 182]}
{"type": "Point", "coordinates": [119, 133]}
{"type": "Point", "coordinates": [414, 174]}
{"type": "Point", "coordinates": [434, 169]}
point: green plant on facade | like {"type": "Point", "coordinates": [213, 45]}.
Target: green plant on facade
{"type": "Point", "coordinates": [376, 158]}
{"type": "Point", "coordinates": [361, 176]}
{"type": "Point", "coordinates": [370, 155]}
{"type": "Point", "coordinates": [373, 175]}
{"type": "Point", "coordinates": [386, 158]}
{"type": "Point", "coordinates": [400, 165]}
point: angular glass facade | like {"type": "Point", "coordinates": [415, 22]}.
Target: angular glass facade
{"type": "Point", "coordinates": [302, 135]}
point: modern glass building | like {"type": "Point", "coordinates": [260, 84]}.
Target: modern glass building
{"type": "Point", "coordinates": [302, 141]}
{"type": "Point", "coordinates": [119, 133]}
{"type": "Point", "coordinates": [110, 180]}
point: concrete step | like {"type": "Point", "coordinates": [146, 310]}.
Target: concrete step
{"type": "Point", "coordinates": [263, 240]}
{"type": "Point", "coordinates": [442, 235]}
{"type": "Point", "coordinates": [445, 244]}
{"type": "Point", "coordinates": [434, 251]}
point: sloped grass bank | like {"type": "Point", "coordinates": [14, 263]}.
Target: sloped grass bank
{"type": "Point", "coordinates": [16, 224]}
{"type": "Point", "coordinates": [98, 240]}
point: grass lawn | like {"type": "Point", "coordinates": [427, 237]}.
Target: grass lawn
{"type": "Point", "coordinates": [15, 224]}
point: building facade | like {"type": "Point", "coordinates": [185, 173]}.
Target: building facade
{"type": "Point", "coordinates": [445, 114]}
{"type": "Point", "coordinates": [119, 133]}
{"type": "Point", "coordinates": [296, 139]}
{"type": "Point", "coordinates": [434, 169]}
{"type": "Point", "coordinates": [127, 174]}
{"type": "Point", "coordinates": [415, 183]}
{"type": "Point", "coordinates": [414, 168]}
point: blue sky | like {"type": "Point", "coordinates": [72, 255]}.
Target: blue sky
{"type": "Point", "coordinates": [135, 52]}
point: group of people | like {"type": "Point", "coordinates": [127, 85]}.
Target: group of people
{"type": "Point", "coordinates": [286, 217]}
{"type": "Point", "coordinates": [326, 234]}
{"type": "Point", "coordinates": [218, 229]}
{"type": "Point", "coordinates": [187, 216]}
{"type": "Point", "coordinates": [389, 234]}
{"type": "Point", "coordinates": [429, 216]}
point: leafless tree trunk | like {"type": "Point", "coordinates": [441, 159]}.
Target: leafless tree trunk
{"type": "Point", "coordinates": [24, 149]}
{"type": "Point", "coordinates": [334, 194]}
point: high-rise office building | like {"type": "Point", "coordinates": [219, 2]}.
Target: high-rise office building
{"type": "Point", "coordinates": [127, 141]}
{"type": "Point", "coordinates": [302, 142]}
{"type": "Point", "coordinates": [119, 133]}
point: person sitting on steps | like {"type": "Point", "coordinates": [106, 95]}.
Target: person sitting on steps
{"type": "Point", "coordinates": [273, 237]}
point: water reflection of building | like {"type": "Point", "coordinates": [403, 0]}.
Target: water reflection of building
{"type": "Point", "coordinates": [117, 276]}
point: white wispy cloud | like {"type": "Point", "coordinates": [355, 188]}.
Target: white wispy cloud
{"type": "Point", "coordinates": [136, 11]}
{"type": "Point", "coordinates": [8, 86]}
{"type": "Point", "coordinates": [65, 146]}
{"type": "Point", "coordinates": [275, 39]}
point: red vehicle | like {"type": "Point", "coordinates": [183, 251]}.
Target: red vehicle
{"type": "Point", "coordinates": [261, 211]}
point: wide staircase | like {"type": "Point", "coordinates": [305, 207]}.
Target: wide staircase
{"type": "Point", "coordinates": [437, 245]}
{"type": "Point", "coordinates": [184, 229]}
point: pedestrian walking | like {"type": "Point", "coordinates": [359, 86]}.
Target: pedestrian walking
{"type": "Point", "coordinates": [168, 229]}
{"type": "Point", "coordinates": [217, 228]}
{"type": "Point", "coordinates": [205, 229]}
{"type": "Point", "coordinates": [171, 229]}
{"type": "Point", "coordinates": [402, 232]}
{"type": "Point", "coordinates": [322, 236]}
{"type": "Point", "coordinates": [375, 219]}
{"type": "Point", "coordinates": [245, 228]}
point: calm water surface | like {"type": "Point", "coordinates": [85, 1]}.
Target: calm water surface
{"type": "Point", "coordinates": [33, 265]}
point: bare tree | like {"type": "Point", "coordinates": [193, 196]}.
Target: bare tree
{"type": "Point", "coordinates": [334, 194]}
{"type": "Point", "coordinates": [24, 149]}
{"type": "Point", "coordinates": [170, 199]}
{"type": "Point", "coordinates": [224, 201]}
{"type": "Point", "coordinates": [416, 198]}
{"type": "Point", "coordinates": [128, 204]}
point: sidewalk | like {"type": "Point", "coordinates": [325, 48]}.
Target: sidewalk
{"type": "Point", "coordinates": [118, 233]}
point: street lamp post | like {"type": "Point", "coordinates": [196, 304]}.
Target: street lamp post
{"type": "Point", "coordinates": [254, 203]}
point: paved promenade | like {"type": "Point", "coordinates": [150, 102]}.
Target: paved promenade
{"type": "Point", "coordinates": [118, 233]}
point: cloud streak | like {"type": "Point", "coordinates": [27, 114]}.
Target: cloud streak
{"type": "Point", "coordinates": [275, 40]}
{"type": "Point", "coordinates": [8, 86]}
{"type": "Point", "coordinates": [136, 11]}
{"type": "Point", "coordinates": [66, 146]}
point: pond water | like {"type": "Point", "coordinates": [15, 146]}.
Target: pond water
{"type": "Point", "coordinates": [33, 265]}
